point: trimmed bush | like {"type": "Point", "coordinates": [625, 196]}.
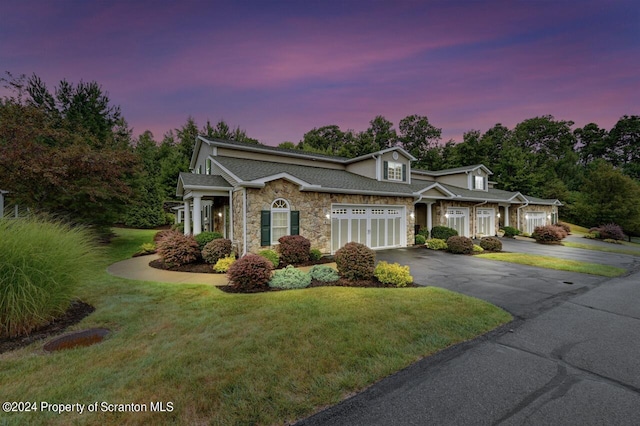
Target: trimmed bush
{"type": "Point", "coordinates": [315, 254]}
{"type": "Point", "coordinates": [420, 240]}
{"type": "Point", "coordinates": [548, 234]}
{"type": "Point", "coordinates": [393, 273]}
{"type": "Point", "coordinates": [510, 231]}
{"type": "Point", "coordinates": [355, 261]}
{"type": "Point", "coordinates": [491, 244]}
{"type": "Point", "coordinates": [290, 277]}
{"type": "Point", "coordinates": [148, 248]}
{"type": "Point", "coordinates": [436, 244]}
{"type": "Point", "coordinates": [294, 249]}
{"type": "Point", "coordinates": [443, 232]}
{"type": "Point", "coordinates": [592, 235]}
{"type": "Point", "coordinates": [564, 226]}
{"type": "Point", "coordinates": [250, 273]}
{"type": "Point", "coordinates": [610, 231]}
{"type": "Point", "coordinates": [477, 249]}
{"type": "Point", "coordinates": [561, 231]}
{"type": "Point", "coordinates": [206, 237]}
{"type": "Point", "coordinates": [612, 241]}
{"type": "Point", "coordinates": [324, 273]}
{"type": "Point", "coordinates": [460, 245]}
{"type": "Point", "coordinates": [177, 249]}
{"type": "Point", "coordinates": [216, 250]}
{"type": "Point", "coordinates": [271, 256]}
{"type": "Point", "coordinates": [223, 264]}
{"type": "Point", "coordinates": [161, 234]}
{"type": "Point", "coordinates": [42, 263]}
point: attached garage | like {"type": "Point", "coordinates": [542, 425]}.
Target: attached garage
{"type": "Point", "coordinates": [376, 226]}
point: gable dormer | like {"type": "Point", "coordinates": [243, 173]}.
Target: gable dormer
{"type": "Point", "coordinates": [389, 165]}
{"type": "Point", "coordinates": [478, 179]}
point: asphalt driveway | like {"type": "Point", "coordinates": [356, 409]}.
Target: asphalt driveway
{"type": "Point", "coordinates": [570, 357]}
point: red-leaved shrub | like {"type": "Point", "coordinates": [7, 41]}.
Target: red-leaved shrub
{"type": "Point", "coordinates": [216, 249]}
{"type": "Point", "coordinates": [355, 261]}
{"type": "Point", "coordinates": [460, 245]}
{"type": "Point", "coordinates": [250, 273]}
{"type": "Point", "coordinates": [548, 234]}
{"type": "Point", "coordinates": [293, 249]}
{"type": "Point", "coordinates": [177, 249]}
{"type": "Point", "coordinates": [564, 226]}
{"type": "Point", "coordinates": [165, 232]}
{"type": "Point", "coordinates": [609, 231]}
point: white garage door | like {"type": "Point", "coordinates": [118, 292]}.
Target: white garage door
{"type": "Point", "coordinates": [374, 226]}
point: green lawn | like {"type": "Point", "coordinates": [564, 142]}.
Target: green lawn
{"type": "Point", "coordinates": [613, 249]}
{"type": "Point", "coordinates": [555, 263]}
{"type": "Point", "coordinates": [228, 359]}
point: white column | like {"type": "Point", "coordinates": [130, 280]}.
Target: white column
{"type": "Point", "coordinates": [187, 217]}
{"type": "Point", "coordinates": [197, 215]}
{"type": "Point", "coordinates": [429, 217]}
{"type": "Point", "coordinates": [506, 215]}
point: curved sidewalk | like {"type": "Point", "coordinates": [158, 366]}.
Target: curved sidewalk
{"type": "Point", "coordinates": [137, 268]}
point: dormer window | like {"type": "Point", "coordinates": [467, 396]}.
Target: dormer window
{"type": "Point", "coordinates": [479, 182]}
{"type": "Point", "coordinates": [394, 171]}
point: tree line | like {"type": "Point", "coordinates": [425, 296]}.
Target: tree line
{"type": "Point", "coordinates": [69, 152]}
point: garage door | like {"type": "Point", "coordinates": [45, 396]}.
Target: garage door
{"type": "Point", "coordinates": [375, 226]}
{"type": "Point", "coordinates": [535, 219]}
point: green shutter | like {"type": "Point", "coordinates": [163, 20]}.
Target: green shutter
{"type": "Point", "coordinates": [404, 172]}
{"type": "Point", "coordinates": [386, 170]}
{"type": "Point", "coordinates": [295, 222]}
{"type": "Point", "coordinates": [265, 228]}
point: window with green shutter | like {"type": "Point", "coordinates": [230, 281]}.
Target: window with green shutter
{"type": "Point", "coordinates": [278, 222]}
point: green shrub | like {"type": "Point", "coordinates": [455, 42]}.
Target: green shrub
{"type": "Point", "coordinates": [592, 235]}
{"type": "Point", "coordinates": [510, 231]}
{"type": "Point", "coordinates": [477, 249]}
{"type": "Point", "coordinates": [315, 254]}
{"type": "Point", "coordinates": [148, 248]}
{"type": "Point", "coordinates": [42, 263]}
{"type": "Point", "coordinates": [355, 261]}
{"type": "Point", "coordinates": [290, 277]}
{"type": "Point", "coordinates": [424, 232]}
{"type": "Point", "coordinates": [491, 244]}
{"type": "Point", "coordinates": [393, 273]}
{"type": "Point", "coordinates": [443, 232]}
{"type": "Point", "coordinates": [294, 249]}
{"type": "Point", "coordinates": [177, 249]}
{"type": "Point", "coordinates": [206, 237]}
{"type": "Point", "coordinates": [178, 227]}
{"type": "Point", "coordinates": [216, 250]}
{"type": "Point", "coordinates": [420, 240]}
{"type": "Point", "coordinates": [250, 273]}
{"type": "Point", "coordinates": [526, 234]}
{"type": "Point", "coordinates": [460, 245]}
{"type": "Point", "coordinates": [548, 234]}
{"type": "Point", "coordinates": [271, 256]}
{"type": "Point", "coordinates": [223, 264]}
{"type": "Point", "coordinates": [436, 244]}
{"type": "Point", "coordinates": [612, 241]}
{"type": "Point", "coordinates": [324, 273]}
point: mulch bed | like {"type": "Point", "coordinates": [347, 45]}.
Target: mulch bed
{"type": "Point", "coordinates": [206, 268]}
{"type": "Point", "coordinates": [76, 312]}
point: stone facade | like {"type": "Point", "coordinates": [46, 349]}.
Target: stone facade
{"type": "Point", "coordinates": [313, 208]}
{"type": "Point", "coordinates": [442, 206]}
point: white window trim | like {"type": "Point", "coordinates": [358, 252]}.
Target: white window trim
{"type": "Point", "coordinates": [394, 171]}
{"type": "Point", "coordinates": [276, 207]}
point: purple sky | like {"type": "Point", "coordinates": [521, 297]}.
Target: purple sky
{"type": "Point", "coordinates": [280, 68]}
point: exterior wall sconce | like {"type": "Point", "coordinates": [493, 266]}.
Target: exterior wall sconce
{"type": "Point", "coordinates": [412, 215]}
{"type": "Point", "coordinates": [526, 216]}
{"type": "Point", "coordinates": [219, 214]}
{"type": "Point", "coordinates": [498, 215]}
{"type": "Point", "coordinates": [549, 216]}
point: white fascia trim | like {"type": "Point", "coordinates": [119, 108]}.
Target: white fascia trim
{"type": "Point", "coordinates": [286, 176]}
{"type": "Point", "coordinates": [518, 194]}
{"type": "Point", "coordinates": [384, 151]}
{"type": "Point", "coordinates": [438, 186]}
{"type": "Point", "coordinates": [357, 192]}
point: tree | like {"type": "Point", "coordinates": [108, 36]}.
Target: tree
{"type": "Point", "coordinates": [323, 140]}
{"type": "Point", "coordinates": [420, 138]}
{"type": "Point", "coordinates": [624, 145]}
{"type": "Point", "coordinates": [52, 163]}
{"type": "Point", "coordinates": [609, 196]}
{"type": "Point", "coordinates": [287, 145]}
{"type": "Point", "coordinates": [591, 143]}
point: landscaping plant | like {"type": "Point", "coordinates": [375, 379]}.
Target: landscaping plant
{"type": "Point", "coordinates": [355, 261]}
{"type": "Point", "coordinates": [477, 249]}
{"type": "Point", "coordinates": [177, 249]}
{"type": "Point", "coordinates": [610, 231]}
{"type": "Point", "coordinates": [216, 250]}
{"type": "Point", "coordinates": [250, 273]}
{"type": "Point", "coordinates": [223, 264]}
{"type": "Point", "coordinates": [510, 231]}
{"type": "Point", "coordinates": [460, 245]}
{"type": "Point", "coordinates": [548, 234]}
{"type": "Point", "coordinates": [324, 273]}
{"type": "Point", "coordinates": [205, 237]}
{"type": "Point", "coordinates": [491, 244]}
{"type": "Point", "coordinates": [289, 278]}
{"type": "Point", "coordinates": [271, 256]}
{"type": "Point", "coordinates": [393, 273]}
{"type": "Point", "coordinates": [436, 244]}
{"type": "Point", "coordinates": [443, 232]}
{"type": "Point", "coordinates": [41, 266]}
{"type": "Point", "coordinates": [315, 254]}
{"type": "Point", "coordinates": [420, 240]}
{"type": "Point", "coordinates": [294, 249]}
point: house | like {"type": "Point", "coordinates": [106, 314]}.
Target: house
{"type": "Point", "coordinates": [254, 194]}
